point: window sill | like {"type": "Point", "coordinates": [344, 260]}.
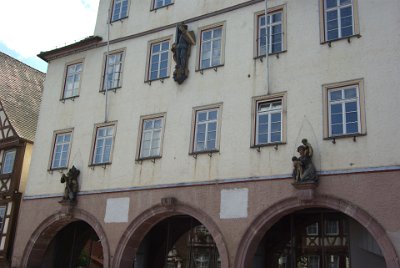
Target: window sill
{"type": "Point", "coordinates": [151, 158]}
{"type": "Point", "coordinates": [118, 20]}
{"type": "Point", "coordinates": [208, 152]}
{"type": "Point", "coordinates": [114, 89]}
{"type": "Point", "coordinates": [104, 165]}
{"type": "Point", "coordinates": [157, 8]}
{"type": "Point", "coordinates": [161, 79]}
{"type": "Point", "coordinates": [354, 136]}
{"type": "Point", "coordinates": [215, 68]}
{"type": "Point", "coordinates": [348, 38]}
{"type": "Point", "coordinates": [61, 169]}
{"type": "Point", "coordinates": [272, 144]}
{"type": "Point", "coordinates": [277, 54]}
{"type": "Point", "coordinates": [69, 98]}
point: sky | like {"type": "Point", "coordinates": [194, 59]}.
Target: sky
{"type": "Point", "coordinates": [31, 26]}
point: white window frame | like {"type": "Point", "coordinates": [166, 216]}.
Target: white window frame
{"type": "Point", "coordinates": [200, 46]}
{"type": "Point", "coordinates": [143, 131]}
{"type": "Point", "coordinates": [120, 15]}
{"type": "Point", "coordinates": [163, 4]}
{"type": "Point", "coordinates": [336, 224]}
{"type": "Point", "coordinates": [159, 55]}
{"type": "Point", "coordinates": [259, 50]}
{"type": "Point", "coordinates": [106, 138]}
{"type": "Point", "coordinates": [312, 226]}
{"type": "Point", "coordinates": [195, 125]}
{"type": "Point", "coordinates": [114, 67]}
{"type": "Point", "coordinates": [63, 145]}
{"type": "Point", "coordinates": [7, 167]}
{"type": "Point", "coordinates": [327, 88]}
{"type": "Point", "coordinates": [269, 113]}
{"type": "Point", "coordinates": [343, 103]}
{"type": "Point", "coordinates": [272, 98]}
{"type": "Point", "coordinates": [324, 20]}
{"type": "Point", "coordinates": [76, 77]}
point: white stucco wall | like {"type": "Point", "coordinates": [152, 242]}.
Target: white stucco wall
{"type": "Point", "coordinates": [301, 72]}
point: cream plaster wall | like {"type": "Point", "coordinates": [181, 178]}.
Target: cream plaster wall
{"type": "Point", "coordinates": [301, 72]}
{"type": "Point", "coordinates": [25, 166]}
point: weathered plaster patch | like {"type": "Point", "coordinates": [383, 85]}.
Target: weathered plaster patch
{"type": "Point", "coordinates": [117, 210]}
{"type": "Point", "coordinates": [234, 203]}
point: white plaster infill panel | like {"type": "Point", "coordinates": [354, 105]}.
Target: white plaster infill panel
{"type": "Point", "coordinates": [234, 203]}
{"type": "Point", "coordinates": [117, 210]}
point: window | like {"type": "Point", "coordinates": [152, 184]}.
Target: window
{"type": "Point", "coordinates": [211, 48]}
{"type": "Point", "coordinates": [333, 261]}
{"type": "Point", "coordinates": [274, 26]}
{"type": "Point", "coordinates": [313, 261]}
{"type": "Point", "coordinates": [113, 71]}
{"type": "Point", "coordinates": [120, 9]}
{"type": "Point", "coordinates": [151, 134]}
{"type": "Point", "coordinates": [161, 3]}
{"type": "Point", "coordinates": [312, 229]}
{"type": "Point", "coordinates": [340, 19]}
{"type": "Point", "coordinates": [158, 60]}
{"type": "Point", "coordinates": [61, 150]}
{"type": "Point", "coordinates": [2, 216]}
{"type": "Point", "coordinates": [332, 227]}
{"type": "Point", "coordinates": [206, 129]}
{"type": "Point", "coordinates": [269, 119]}
{"type": "Point", "coordinates": [344, 111]}
{"type": "Point", "coordinates": [72, 80]}
{"type": "Point", "coordinates": [103, 144]}
{"type": "Point", "coordinates": [8, 161]}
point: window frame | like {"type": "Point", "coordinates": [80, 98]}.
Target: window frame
{"type": "Point", "coordinates": [94, 143]}
{"type": "Point", "coordinates": [257, 15]}
{"type": "Point", "coordinates": [195, 110]}
{"type": "Point", "coordinates": [153, 5]}
{"type": "Point", "coordinates": [359, 83]}
{"type": "Point", "coordinates": [323, 26]}
{"type": "Point", "coordinates": [150, 44]}
{"type": "Point", "coordinates": [281, 96]}
{"type": "Point", "coordinates": [67, 65]}
{"type": "Point", "coordinates": [121, 51]}
{"type": "Point", "coordinates": [199, 44]}
{"type": "Point", "coordinates": [112, 11]}
{"type": "Point", "coordinates": [143, 118]}
{"type": "Point", "coordinates": [55, 134]}
{"type": "Point", "coordinates": [5, 152]}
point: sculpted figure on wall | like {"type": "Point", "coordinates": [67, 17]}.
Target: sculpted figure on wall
{"type": "Point", "coordinates": [181, 52]}
{"type": "Point", "coordinates": [303, 167]}
{"type": "Point", "coordinates": [71, 184]}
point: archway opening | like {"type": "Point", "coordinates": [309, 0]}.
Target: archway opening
{"type": "Point", "coordinates": [75, 245]}
{"type": "Point", "coordinates": [318, 238]}
{"type": "Point", "coordinates": [178, 242]}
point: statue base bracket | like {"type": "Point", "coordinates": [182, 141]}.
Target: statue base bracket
{"type": "Point", "coordinates": [306, 190]}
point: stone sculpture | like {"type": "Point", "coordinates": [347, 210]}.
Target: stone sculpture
{"type": "Point", "coordinates": [303, 167]}
{"type": "Point", "coordinates": [71, 184]}
{"type": "Point", "coordinates": [181, 51]}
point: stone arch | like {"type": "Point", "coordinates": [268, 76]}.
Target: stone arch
{"type": "Point", "coordinates": [253, 236]}
{"type": "Point", "coordinates": [141, 225]}
{"type": "Point", "coordinates": [47, 230]}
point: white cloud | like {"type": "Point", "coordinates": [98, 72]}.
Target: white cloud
{"type": "Point", "coordinates": [31, 26]}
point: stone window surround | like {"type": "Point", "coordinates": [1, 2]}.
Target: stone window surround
{"type": "Point", "coordinates": [325, 90]}
{"type": "Point", "coordinates": [53, 140]}
{"type": "Point", "coordinates": [281, 8]}
{"type": "Point", "coordinates": [140, 133]}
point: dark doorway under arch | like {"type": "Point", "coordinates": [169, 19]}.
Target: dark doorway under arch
{"type": "Point", "coordinates": [317, 238]}
{"type": "Point", "coordinates": [178, 242]}
{"type": "Point", "coordinates": [75, 245]}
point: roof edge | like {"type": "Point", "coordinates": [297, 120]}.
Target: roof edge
{"type": "Point", "coordinates": [88, 42]}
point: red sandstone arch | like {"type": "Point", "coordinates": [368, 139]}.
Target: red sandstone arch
{"type": "Point", "coordinates": [273, 214]}
{"type": "Point", "coordinates": [137, 230]}
{"type": "Point", "coordinates": [47, 230]}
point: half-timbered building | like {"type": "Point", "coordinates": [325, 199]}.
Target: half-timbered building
{"type": "Point", "coordinates": [20, 96]}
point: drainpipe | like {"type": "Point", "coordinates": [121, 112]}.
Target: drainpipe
{"type": "Point", "coordinates": [266, 49]}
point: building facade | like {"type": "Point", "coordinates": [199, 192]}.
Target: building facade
{"type": "Point", "coordinates": [199, 173]}
{"type": "Point", "coordinates": [20, 96]}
